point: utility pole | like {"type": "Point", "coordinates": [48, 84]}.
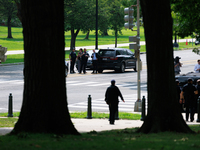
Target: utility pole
{"type": "Point", "coordinates": [96, 45]}
{"type": "Point", "coordinates": [136, 47]}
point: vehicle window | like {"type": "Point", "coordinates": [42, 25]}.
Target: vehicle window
{"type": "Point", "coordinates": [107, 53]}
{"type": "Point", "coordinates": [118, 53]}
{"type": "Point", "coordinates": [123, 52]}
{"type": "Point", "coordinates": [129, 52]}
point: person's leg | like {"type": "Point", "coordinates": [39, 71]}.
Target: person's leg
{"type": "Point", "coordinates": [187, 113]}
{"type": "Point", "coordinates": [112, 114]}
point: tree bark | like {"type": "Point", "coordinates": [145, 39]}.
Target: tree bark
{"type": "Point", "coordinates": [9, 27]}
{"type": "Point", "coordinates": [73, 38]}
{"type": "Point", "coordinates": [44, 108]}
{"type": "Point", "coordinates": [163, 110]}
{"type": "Point", "coordinates": [87, 35]}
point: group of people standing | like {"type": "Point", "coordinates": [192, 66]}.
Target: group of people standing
{"type": "Point", "coordinates": [82, 59]}
{"type": "Point", "coordinates": [188, 96]}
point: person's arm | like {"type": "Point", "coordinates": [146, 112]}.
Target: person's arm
{"type": "Point", "coordinates": [181, 97]}
{"type": "Point", "coordinates": [120, 95]}
{"type": "Point", "coordinates": [196, 68]}
{"type": "Point", "coordinates": [70, 56]}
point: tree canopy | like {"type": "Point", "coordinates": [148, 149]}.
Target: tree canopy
{"type": "Point", "coordinates": [187, 17]}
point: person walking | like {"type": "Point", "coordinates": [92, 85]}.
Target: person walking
{"type": "Point", "coordinates": [84, 58]}
{"type": "Point", "coordinates": [95, 57]}
{"type": "Point", "coordinates": [79, 59]}
{"type": "Point", "coordinates": [188, 94]}
{"type": "Point", "coordinates": [111, 98]}
{"type": "Point", "coordinates": [72, 57]}
{"type": "Point", "coordinates": [197, 66]}
{"type": "Point", "coordinates": [177, 65]}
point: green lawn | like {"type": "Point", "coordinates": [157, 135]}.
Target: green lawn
{"type": "Point", "coordinates": [9, 122]}
{"type": "Point", "coordinates": [16, 43]}
{"type": "Point", "coordinates": [126, 139]}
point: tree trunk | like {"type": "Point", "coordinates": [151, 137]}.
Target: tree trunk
{"type": "Point", "coordinates": [87, 35]}
{"type": "Point", "coordinates": [73, 38]}
{"type": "Point", "coordinates": [44, 108]}
{"type": "Point", "coordinates": [18, 10]}
{"type": "Point", "coordinates": [105, 32]}
{"type": "Point", "coordinates": [9, 27]}
{"type": "Point", "coordinates": [163, 110]}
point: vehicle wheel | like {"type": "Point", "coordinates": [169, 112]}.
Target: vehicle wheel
{"type": "Point", "coordinates": [100, 70]}
{"type": "Point", "coordinates": [135, 69]}
{"type": "Point", "coordinates": [122, 67]}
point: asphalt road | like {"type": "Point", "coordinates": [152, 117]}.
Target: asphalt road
{"type": "Point", "coordinates": [79, 86]}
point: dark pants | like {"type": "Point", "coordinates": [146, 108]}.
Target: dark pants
{"type": "Point", "coordinates": [83, 66]}
{"type": "Point", "coordinates": [113, 107]}
{"type": "Point", "coordinates": [72, 65]}
{"type": "Point", "coordinates": [94, 63]}
{"type": "Point", "coordinates": [190, 109]}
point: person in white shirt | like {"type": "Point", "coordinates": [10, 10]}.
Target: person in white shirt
{"type": "Point", "coordinates": [197, 66]}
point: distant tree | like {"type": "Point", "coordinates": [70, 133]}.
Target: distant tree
{"type": "Point", "coordinates": [8, 10]}
{"type": "Point", "coordinates": [164, 113]}
{"type": "Point", "coordinates": [188, 16]}
{"type": "Point", "coordinates": [116, 18]}
{"type": "Point", "coordinates": [44, 108]}
{"type": "Point", "coordinates": [79, 15]}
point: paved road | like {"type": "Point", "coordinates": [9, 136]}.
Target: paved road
{"type": "Point", "coordinates": [80, 86]}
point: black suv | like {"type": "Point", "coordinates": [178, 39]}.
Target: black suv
{"type": "Point", "coordinates": [117, 59]}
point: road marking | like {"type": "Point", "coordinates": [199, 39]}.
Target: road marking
{"type": "Point", "coordinates": [100, 104]}
{"type": "Point", "coordinates": [83, 83]}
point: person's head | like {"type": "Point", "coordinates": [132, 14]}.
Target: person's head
{"type": "Point", "coordinates": [80, 49]}
{"type": "Point", "coordinates": [190, 80]}
{"type": "Point", "coordinates": [93, 51]}
{"type": "Point", "coordinates": [73, 49]}
{"type": "Point", "coordinates": [198, 81]}
{"type": "Point", "coordinates": [84, 49]}
{"type": "Point", "coordinates": [112, 82]}
{"type": "Point", "coordinates": [198, 61]}
{"type": "Point", "coordinates": [177, 82]}
{"type": "Point", "coordinates": [177, 59]}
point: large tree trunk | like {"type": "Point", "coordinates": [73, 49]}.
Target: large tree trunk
{"type": "Point", "coordinates": [44, 108]}
{"type": "Point", "coordinates": [9, 27]}
{"type": "Point", "coordinates": [73, 38]}
{"type": "Point", "coordinates": [163, 110]}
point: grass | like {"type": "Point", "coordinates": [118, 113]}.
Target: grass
{"type": "Point", "coordinates": [126, 139]}
{"type": "Point", "coordinates": [16, 43]}
{"type": "Point", "coordinates": [9, 122]}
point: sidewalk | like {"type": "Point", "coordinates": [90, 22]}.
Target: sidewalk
{"type": "Point", "coordinates": [87, 125]}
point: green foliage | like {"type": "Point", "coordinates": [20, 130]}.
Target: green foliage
{"type": "Point", "coordinates": [186, 17]}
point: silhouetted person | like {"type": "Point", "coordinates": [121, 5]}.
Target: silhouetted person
{"type": "Point", "coordinates": [111, 98]}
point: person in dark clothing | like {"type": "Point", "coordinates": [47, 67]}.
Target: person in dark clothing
{"type": "Point", "coordinates": [95, 57]}
{"type": "Point", "coordinates": [72, 57]}
{"type": "Point", "coordinates": [84, 58]}
{"type": "Point", "coordinates": [111, 98]}
{"type": "Point", "coordinates": [188, 94]}
{"type": "Point", "coordinates": [178, 89]}
{"type": "Point", "coordinates": [197, 95]}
